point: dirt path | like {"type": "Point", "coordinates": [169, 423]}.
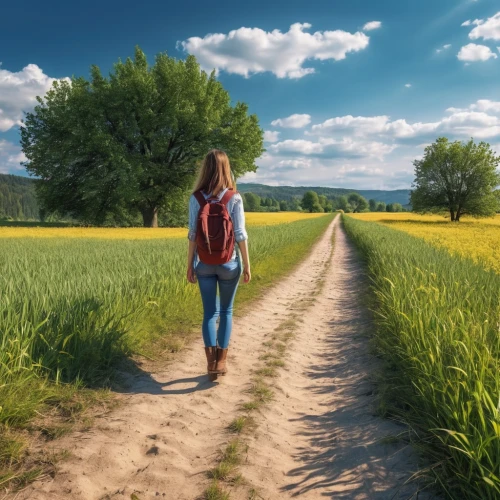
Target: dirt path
{"type": "Point", "coordinates": [321, 438]}
{"type": "Point", "coordinates": [318, 438]}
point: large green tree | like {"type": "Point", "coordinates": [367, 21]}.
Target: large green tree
{"type": "Point", "coordinates": [310, 202]}
{"type": "Point", "coordinates": [342, 203]}
{"type": "Point", "coordinates": [294, 205]}
{"type": "Point", "coordinates": [251, 202]}
{"type": "Point", "coordinates": [134, 140]}
{"type": "Point", "coordinates": [459, 177]}
{"type": "Point", "coordinates": [357, 202]}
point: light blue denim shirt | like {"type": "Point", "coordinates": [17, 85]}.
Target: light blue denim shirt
{"type": "Point", "coordinates": [235, 209]}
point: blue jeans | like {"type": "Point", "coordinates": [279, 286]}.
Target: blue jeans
{"type": "Point", "coordinates": [227, 276]}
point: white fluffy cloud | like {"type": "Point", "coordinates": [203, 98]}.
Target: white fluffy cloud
{"type": "Point", "coordinates": [471, 124]}
{"type": "Point", "coordinates": [247, 51]}
{"type": "Point", "coordinates": [292, 164]}
{"type": "Point", "coordinates": [487, 29]}
{"type": "Point", "coordinates": [480, 120]}
{"type": "Point", "coordinates": [362, 170]}
{"type": "Point", "coordinates": [443, 48]}
{"type": "Point", "coordinates": [352, 173]}
{"type": "Point", "coordinates": [296, 146]}
{"type": "Point", "coordinates": [18, 91]}
{"type": "Point", "coordinates": [372, 25]}
{"type": "Point", "coordinates": [355, 125]}
{"type": "Point", "coordinates": [365, 126]}
{"type": "Point", "coordinates": [408, 85]}
{"type": "Point", "coordinates": [370, 152]}
{"type": "Point", "coordinates": [473, 52]}
{"type": "Point", "coordinates": [476, 22]}
{"type": "Point", "coordinates": [293, 121]}
{"type": "Point", "coordinates": [271, 135]}
{"type": "Point", "coordinates": [486, 105]}
{"type": "Point", "coordinates": [10, 157]}
{"type": "Point", "coordinates": [345, 147]}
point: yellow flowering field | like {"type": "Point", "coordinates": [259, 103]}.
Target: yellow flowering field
{"type": "Point", "coordinates": [478, 239]}
{"type": "Point", "coordinates": [272, 219]}
{"type": "Point", "coordinates": [107, 233]}
{"type": "Point", "coordinates": [140, 233]}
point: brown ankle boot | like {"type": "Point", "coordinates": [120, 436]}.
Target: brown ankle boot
{"type": "Point", "coordinates": [211, 353]}
{"type": "Point", "coordinates": [220, 367]}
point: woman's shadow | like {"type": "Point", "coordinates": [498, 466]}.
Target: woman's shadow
{"type": "Point", "coordinates": [139, 381]}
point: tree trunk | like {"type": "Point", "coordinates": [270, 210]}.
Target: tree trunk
{"type": "Point", "coordinates": [452, 213]}
{"type": "Point", "coordinates": [150, 217]}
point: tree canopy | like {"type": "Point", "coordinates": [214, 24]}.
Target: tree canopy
{"type": "Point", "coordinates": [394, 207]}
{"type": "Point", "coordinates": [17, 198]}
{"type": "Point", "coordinates": [357, 202]}
{"type": "Point", "coordinates": [325, 203]}
{"type": "Point", "coordinates": [460, 177]}
{"type": "Point", "coordinates": [251, 202]}
{"type": "Point", "coordinates": [310, 202]}
{"type": "Point", "coordinates": [131, 143]}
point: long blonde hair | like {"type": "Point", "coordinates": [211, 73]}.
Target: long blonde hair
{"type": "Point", "coordinates": [215, 173]}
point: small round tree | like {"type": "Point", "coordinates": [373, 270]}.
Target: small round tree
{"type": "Point", "coordinates": [357, 202]}
{"type": "Point", "coordinates": [459, 177]}
{"type": "Point", "coordinates": [310, 202]}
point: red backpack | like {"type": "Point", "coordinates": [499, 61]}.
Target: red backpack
{"type": "Point", "coordinates": [214, 229]}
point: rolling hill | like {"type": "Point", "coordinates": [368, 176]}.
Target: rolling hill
{"type": "Point", "coordinates": [288, 192]}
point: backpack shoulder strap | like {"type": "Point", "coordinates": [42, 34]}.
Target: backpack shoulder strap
{"type": "Point", "coordinates": [201, 199]}
{"type": "Point", "coordinates": [227, 196]}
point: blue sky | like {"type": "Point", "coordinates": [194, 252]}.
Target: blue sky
{"type": "Point", "coordinates": [349, 92]}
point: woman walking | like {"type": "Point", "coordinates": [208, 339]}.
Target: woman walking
{"type": "Point", "coordinates": [216, 224]}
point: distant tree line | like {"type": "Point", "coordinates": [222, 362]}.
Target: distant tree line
{"type": "Point", "coordinates": [254, 203]}
{"type": "Point", "coordinates": [17, 198]}
{"type": "Point", "coordinates": [288, 193]}
{"type": "Point", "coordinates": [352, 203]}
{"type": "Point", "coordinates": [313, 202]}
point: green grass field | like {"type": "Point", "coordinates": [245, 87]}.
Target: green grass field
{"type": "Point", "coordinates": [73, 308]}
{"type": "Point", "coordinates": [438, 332]}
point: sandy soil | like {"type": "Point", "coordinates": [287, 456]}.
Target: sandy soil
{"type": "Point", "coordinates": [319, 437]}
